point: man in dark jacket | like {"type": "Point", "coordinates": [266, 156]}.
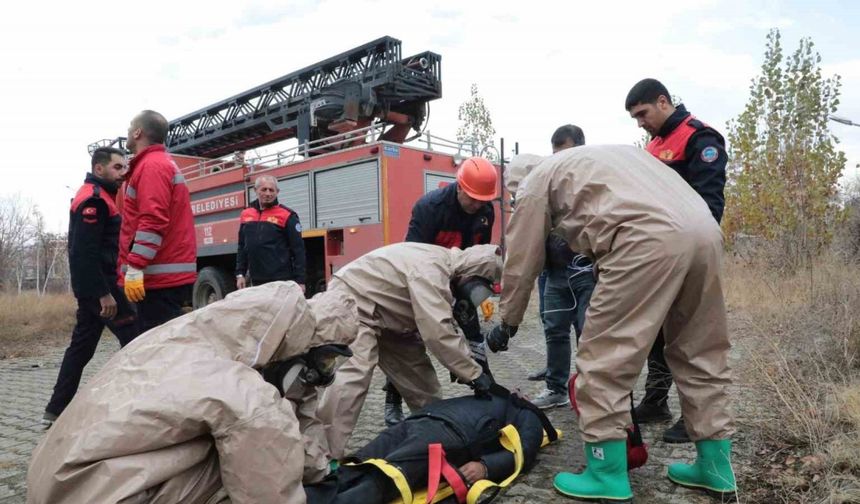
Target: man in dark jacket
{"type": "Point", "coordinates": [467, 428]}
{"type": "Point", "coordinates": [697, 153]}
{"type": "Point", "coordinates": [93, 241]}
{"type": "Point", "coordinates": [270, 239]}
{"type": "Point", "coordinates": [460, 214]}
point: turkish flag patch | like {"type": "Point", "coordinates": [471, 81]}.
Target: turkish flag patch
{"type": "Point", "coordinates": [89, 211]}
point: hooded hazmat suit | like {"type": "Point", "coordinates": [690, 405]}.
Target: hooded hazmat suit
{"type": "Point", "coordinates": [658, 251]}
{"type": "Point", "coordinates": [183, 415]}
{"type": "Point", "coordinates": [400, 289]}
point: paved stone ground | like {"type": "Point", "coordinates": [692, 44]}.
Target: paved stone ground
{"type": "Point", "coordinates": [25, 386]}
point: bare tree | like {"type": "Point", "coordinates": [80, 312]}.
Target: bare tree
{"type": "Point", "coordinates": [16, 225]}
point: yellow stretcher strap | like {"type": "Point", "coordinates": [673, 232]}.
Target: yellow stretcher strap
{"type": "Point", "coordinates": [510, 440]}
{"type": "Point", "coordinates": [396, 476]}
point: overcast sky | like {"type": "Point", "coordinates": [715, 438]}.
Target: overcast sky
{"type": "Point", "coordinates": [76, 72]}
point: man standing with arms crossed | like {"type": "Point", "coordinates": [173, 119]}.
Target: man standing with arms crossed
{"type": "Point", "coordinates": [158, 250]}
{"type": "Point", "coordinates": [697, 153]}
{"type": "Point", "coordinates": [94, 223]}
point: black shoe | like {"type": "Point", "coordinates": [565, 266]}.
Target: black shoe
{"type": "Point", "coordinates": [537, 375]}
{"type": "Point", "coordinates": [48, 420]}
{"type": "Point", "coordinates": [677, 433]}
{"type": "Point", "coordinates": [653, 413]}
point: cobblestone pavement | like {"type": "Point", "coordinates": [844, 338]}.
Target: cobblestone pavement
{"type": "Point", "coordinates": [25, 386]}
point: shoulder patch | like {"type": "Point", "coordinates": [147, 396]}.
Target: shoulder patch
{"type": "Point", "coordinates": [89, 210]}
{"type": "Point", "coordinates": [299, 227]}
{"type": "Point", "coordinates": [710, 154]}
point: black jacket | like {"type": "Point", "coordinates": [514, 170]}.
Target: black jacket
{"type": "Point", "coordinates": [708, 178]}
{"type": "Point", "coordinates": [93, 242]}
{"type": "Point", "coordinates": [270, 244]}
{"type": "Point", "coordinates": [438, 218]}
{"type": "Point", "coordinates": [94, 223]}
{"type": "Point", "coordinates": [479, 420]}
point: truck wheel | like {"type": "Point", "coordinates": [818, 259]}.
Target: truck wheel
{"type": "Point", "coordinates": [212, 284]}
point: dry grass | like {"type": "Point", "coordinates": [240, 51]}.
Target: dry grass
{"type": "Point", "coordinates": [31, 323]}
{"type": "Point", "coordinates": [801, 356]}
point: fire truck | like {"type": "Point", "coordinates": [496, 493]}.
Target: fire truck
{"type": "Point", "coordinates": [351, 178]}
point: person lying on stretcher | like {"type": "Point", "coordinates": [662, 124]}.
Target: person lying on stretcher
{"type": "Point", "coordinates": [456, 440]}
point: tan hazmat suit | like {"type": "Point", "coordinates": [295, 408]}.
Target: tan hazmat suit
{"type": "Point", "coordinates": [658, 254]}
{"type": "Point", "coordinates": [399, 289]}
{"type": "Point", "coordinates": [182, 414]}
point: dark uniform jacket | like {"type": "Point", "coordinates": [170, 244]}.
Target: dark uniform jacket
{"type": "Point", "coordinates": [697, 152]}
{"type": "Point", "coordinates": [438, 218]}
{"type": "Point", "coordinates": [478, 421]}
{"type": "Point", "coordinates": [94, 224]}
{"type": "Point", "coordinates": [270, 244]}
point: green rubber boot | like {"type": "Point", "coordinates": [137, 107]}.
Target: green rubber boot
{"type": "Point", "coordinates": [712, 471]}
{"type": "Point", "coordinates": [605, 476]}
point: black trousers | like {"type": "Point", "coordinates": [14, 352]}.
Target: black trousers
{"type": "Point", "coordinates": [85, 338]}
{"type": "Point", "coordinates": [404, 446]}
{"type": "Point", "coordinates": [659, 379]}
{"type": "Point", "coordinates": [161, 305]}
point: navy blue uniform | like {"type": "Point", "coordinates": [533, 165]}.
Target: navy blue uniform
{"type": "Point", "coordinates": [270, 244]}
{"type": "Point", "coordinates": [94, 224]}
{"type": "Point", "coordinates": [438, 218]}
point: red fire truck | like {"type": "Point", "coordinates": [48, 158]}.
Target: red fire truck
{"type": "Point", "coordinates": [352, 178]}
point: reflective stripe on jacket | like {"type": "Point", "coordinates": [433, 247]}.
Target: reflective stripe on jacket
{"type": "Point", "coordinates": [157, 234]}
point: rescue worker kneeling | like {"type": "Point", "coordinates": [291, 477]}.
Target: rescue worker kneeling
{"type": "Point", "coordinates": [186, 414]}
{"type": "Point", "coordinates": [462, 433]}
{"type": "Point", "coordinates": [400, 289]}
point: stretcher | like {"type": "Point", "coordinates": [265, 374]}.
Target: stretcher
{"type": "Point", "coordinates": [482, 491]}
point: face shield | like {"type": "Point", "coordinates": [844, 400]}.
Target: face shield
{"type": "Point", "coordinates": [474, 289]}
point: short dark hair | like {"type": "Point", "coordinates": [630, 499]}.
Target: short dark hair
{"type": "Point", "coordinates": [646, 91]}
{"type": "Point", "coordinates": [568, 132]}
{"type": "Point", "coordinates": [153, 125]}
{"type": "Point", "coordinates": [102, 156]}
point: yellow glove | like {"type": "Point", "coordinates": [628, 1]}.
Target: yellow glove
{"type": "Point", "coordinates": [487, 308]}
{"type": "Point", "coordinates": [134, 285]}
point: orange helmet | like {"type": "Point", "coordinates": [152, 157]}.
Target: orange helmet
{"type": "Point", "coordinates": [479, 178]}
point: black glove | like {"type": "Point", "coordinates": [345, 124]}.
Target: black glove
{"type": "Point", "coordinates": [498, 338]}
{"type": "Point", "coordinates": [481, 385]}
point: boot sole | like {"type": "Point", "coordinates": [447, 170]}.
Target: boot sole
{"type": "Point", "coordinates": [725, 497]}
{"type": "Point", "coordinates": [554, 405]}
{"type": "Point", "coordinates": [601, 500]}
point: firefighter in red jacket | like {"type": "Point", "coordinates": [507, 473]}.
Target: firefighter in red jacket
{"type": "Point", "coordinates": [93, 241]}
{"type": "Point", "coordinates": [697, 153]}
{"type": "Point", "coordinates": [270, 239]}
{"type": "Point", "coordinates": [458, 215]}
{"type": "Point", "coordinates": [158, 250]}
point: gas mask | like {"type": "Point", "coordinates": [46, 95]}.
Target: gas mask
{"type": "Point", "coordinates": [474, 289]}
{"type": "Point", "coordinates": [313, 369]}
